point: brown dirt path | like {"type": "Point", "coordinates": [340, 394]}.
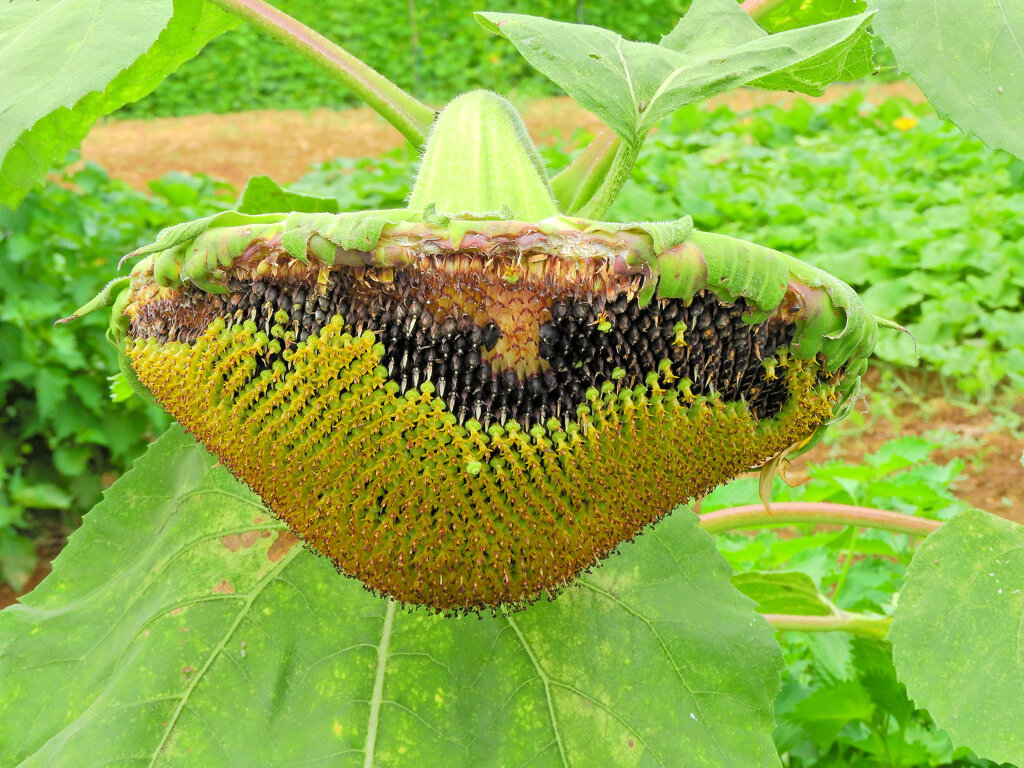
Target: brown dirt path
{"type": "Point", "coordinates": [283, 145]}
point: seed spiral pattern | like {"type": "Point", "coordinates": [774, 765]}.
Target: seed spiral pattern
{"type": "Point", "coordinates": [451, 454]}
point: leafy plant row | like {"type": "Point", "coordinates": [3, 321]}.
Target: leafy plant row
{"type": "Point", "coordinates": [60, 440]}
{"type": "Point", "coordinates": [841, 703]}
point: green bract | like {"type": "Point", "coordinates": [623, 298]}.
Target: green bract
{"type": "Point", "coordinates": [680, 260]}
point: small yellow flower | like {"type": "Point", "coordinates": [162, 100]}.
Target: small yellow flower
{"type": "Point", "coordinates": [904, 123]}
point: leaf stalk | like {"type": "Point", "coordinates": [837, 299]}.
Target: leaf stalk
{"type": "Point", "coordinates": [856, 623]}
{"type": "Point", "coordinates": [618, 173]}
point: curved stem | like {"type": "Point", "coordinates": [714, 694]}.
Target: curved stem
{"type": "Point", "coordinates": [858, 624]}
{"type": "Point", "coordinates": [623, 157]}
{"type": "Point", "coordinates": [409, 115]}
{"type": "Point", "coordinates": [756, 516]}
{"type": "Point", "coordinates": [576, 184]}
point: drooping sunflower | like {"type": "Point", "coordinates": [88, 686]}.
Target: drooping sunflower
{"type": "Point", "coordinates": [467, 402]}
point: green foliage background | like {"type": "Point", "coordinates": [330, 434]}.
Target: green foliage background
{"type": "Point", "coordinates": [410, 41]}
{"type": "Point", "coordinates": [841, 703]}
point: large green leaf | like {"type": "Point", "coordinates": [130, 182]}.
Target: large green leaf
{"type": "Point", "coordinates": [968, 58]}
{"type": "Point", "coordinates": [956, 638]}
{"type": "Point", "coordinates": [184, 626]}
{"type": "Point", "coordinates": [66, 63]}
{"type": "Point", "coordinates": [716, 47]}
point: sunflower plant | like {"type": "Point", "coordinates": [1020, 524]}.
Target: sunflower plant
{"type": "Point", "coordinates": [483, 408]}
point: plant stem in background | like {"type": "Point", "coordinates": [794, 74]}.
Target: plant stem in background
{"type": "Point", "coordinates": [841, 581]}
{"type": "Point", "coordinates": [789, 513]}
{"type": "Point", "coordinates": [409, 115]}
{"type": "Point", "coordinates": [857, 623]}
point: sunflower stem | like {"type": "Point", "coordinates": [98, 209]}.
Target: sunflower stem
{"type": "Point", "coordinates": [406, 113]}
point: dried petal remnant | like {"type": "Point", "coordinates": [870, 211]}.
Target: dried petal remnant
{"type": "Point", "coordinates": [463, 440]}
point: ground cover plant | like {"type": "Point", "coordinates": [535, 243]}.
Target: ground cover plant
{"type": "Point", "coordinates": [654, 652]}
{"type": "Point", "coordinates": [841, 702]}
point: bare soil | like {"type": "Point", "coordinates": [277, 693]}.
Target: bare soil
{"type": "Point", "coordinates": [993, 476]}
{"type": "Point", "coordinates": [284, 144]}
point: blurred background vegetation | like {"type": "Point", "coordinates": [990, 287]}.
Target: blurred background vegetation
{"type": "Point", "coordinates": [924, 221]}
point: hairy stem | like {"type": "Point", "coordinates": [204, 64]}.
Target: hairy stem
{"type": "Point", "coordinates": [410, 116]}
{"type": "Point", "coordinates": [589, 185]}
{"type": "Point", "coordinates": [858, 624]}
{"type": "Point", "coordinates": [576, 184]}
{"type": "Point", "coordinates": [756, 516]}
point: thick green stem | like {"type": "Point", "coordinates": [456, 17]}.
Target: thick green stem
{"type": "Point", "coordinates": [409, 115]}
{"type": "Point", "coordinates": [621, 167]}
{"type": "Point", "coordinates": [858, 624]}
{"type": "Point", "coordinates": [590, 184]}
{"type": "Point", "coordinates": [576, 184]}
{"type": "Point", "coordinates": [756, 516]}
